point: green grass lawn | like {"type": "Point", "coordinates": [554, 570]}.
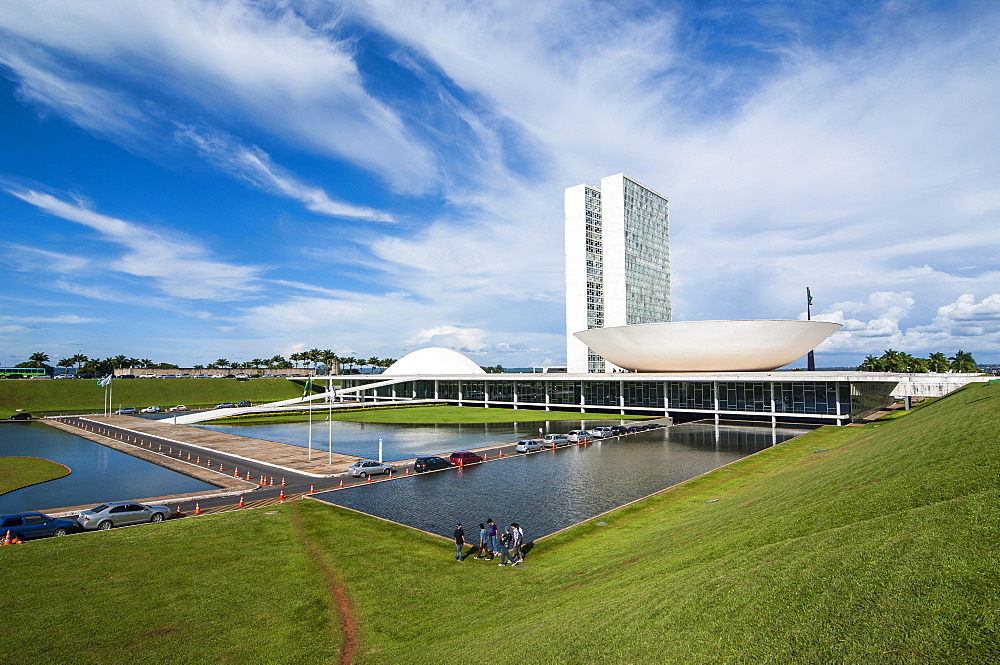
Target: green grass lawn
{"type": "Point", "coordinates": [18, 472]}
{"type": "Point", "coordinates": [48, 396]}
{"type": "Point", "coordinates": [845, 545]}
{"type": "Point", "coordinates": [435, 414]}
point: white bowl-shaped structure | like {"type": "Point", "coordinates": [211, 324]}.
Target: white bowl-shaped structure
{"type": "Point", "coordinates": [433, 360]}
{"type": "Point", "coordinates": [707, 346]}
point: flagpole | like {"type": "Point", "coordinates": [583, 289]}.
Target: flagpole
{"type": "Point", "coordinates": [111, 396]}
{"type": "Point", "coordinates": [329, 426]}
{"type": "Point", "coordinates": [810, 358]}
{"type": "Point", "coordinates": [309, 406]}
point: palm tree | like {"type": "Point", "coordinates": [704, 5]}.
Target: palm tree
{"type": "Point", "coordinates": [938, 362]}
{"type": "Point", "coordinates": [893, 361]}
{"type": "Point", "coordinates": [118, 361]}
{"type": "Point", "coordinates": [78, 360]}
{"type": "Point", "coordinates": [145, 362]}
{"type": "Point", "coordinates": [963, 362]}
{"type": "Point", "coordinates": [38, 358]}
{"type": "Point", "coordinates": [870, 364]}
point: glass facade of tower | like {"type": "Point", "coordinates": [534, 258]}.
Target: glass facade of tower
{"type": "Point", "coordinates": [647, 255]}
{"type": "Point", "coordinates": [595, 272]}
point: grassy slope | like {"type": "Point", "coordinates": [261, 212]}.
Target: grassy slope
{"type": "Point", "coordinates": [18, 472]}
{"type": "Point", "coordinates": [878, 549]}
{"type": "Point", "coordinates": [51, 396]}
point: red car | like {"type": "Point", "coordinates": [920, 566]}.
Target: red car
{"type": "Point", "coordinates": [464, 457]}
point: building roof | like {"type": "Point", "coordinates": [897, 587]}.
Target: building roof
{"type": "Point", "coordinates": [433, 360]}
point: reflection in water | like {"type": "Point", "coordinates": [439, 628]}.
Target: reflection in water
{"type": "Point", "coordinates": [548, 491]}
{"type": "Point", "coordinates": [401, 441]}
{"type": "Point", "coordinates": [98, 473]}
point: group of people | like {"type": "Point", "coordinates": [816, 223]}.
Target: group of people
{"type": "Point", "coordinates": [493, 543]}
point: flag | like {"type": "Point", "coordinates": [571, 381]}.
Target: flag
{"type": "Point", "coordinates": [105, 381]}
{"type": "Point", "coordinates": [809, 296]}
{"type": "Point", "coordinates": [305, 391]}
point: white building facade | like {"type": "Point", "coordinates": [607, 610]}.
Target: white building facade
{"type": "Point", "coordinates": [617, 262]}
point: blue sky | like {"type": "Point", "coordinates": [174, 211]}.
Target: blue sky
{"type": "Point", "coordinates": [195, 180]}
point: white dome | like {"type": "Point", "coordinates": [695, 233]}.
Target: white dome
{"type": "Point", "coordinates": [707, 346]}
{"type": "Point", "coordinates": [433, 360]}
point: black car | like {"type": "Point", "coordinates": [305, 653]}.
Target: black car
{"type": "Point", "coordinates": [634, 428]}
{"type": "Point", "coordinates": [618, 430]}
{"type": "Point", "coordinates": [243, 403]}
{"type": "Point", "coordinates": [430, 464]}
{"type": "Point", "coordinates": [24, 415]}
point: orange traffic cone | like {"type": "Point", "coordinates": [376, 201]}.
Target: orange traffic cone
{"type": "Point", "coordinates": [407, 471]}
{"type": "Point", "coordinates": [281, 495]}
{"type": "Point", "coordinates": [248, 475]}
{"type": "Point", "coordinates": [197, 461]}
{"type": "Point", "coordinates": [271, 480]}
{"type": "Point", "coordinates": [461, 462]}
{"type": "Point", "coordinates": [263, 480]}
{"type": "Point", "coordinates": [501, 453]}
{"type": "Point", "coordinates": [16, 541]}
{"type": "Point", "coordinates": [369, 478]}
{"type": "Point", "coordinates": [208, 463]}
{"type": "Point", "coordinates": [236, 472]}
{"type": "Point", "coordinates": [197, 508]}
{"type": "Point", "coordinates": [486, 458]}
{"type": "Point", "coordinates": [283, 481]}
{"type": "Point", "coordinates": [341, 484]}
{"type": "Point", "coordinates": [6, 539]}
{"type": "Point", "coordinates": [189, 457]}
{"type": "Point", "coordinates": [178, 513]}
{"type": "Point", "coordinates": [312, 489]}
{"type": "Point", "coordinates": [390, 475]}
{"type": "Point", "coordinates": [170, 451]}
{"type": "Point", "coordinates": [159, 448]}
{"type": "Point", "coordinates": [241, 504]}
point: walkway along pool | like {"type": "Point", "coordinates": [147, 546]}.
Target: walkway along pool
{"type": "Point", "coordinates": [551, 490]}
{"type": "Point", "coordinates": [98, 473]}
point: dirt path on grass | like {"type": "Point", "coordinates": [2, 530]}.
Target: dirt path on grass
{"type": "Point", "coordinates": [338, 594]}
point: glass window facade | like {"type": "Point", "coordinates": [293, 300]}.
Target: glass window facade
{"type": "Point", "coordinates": [501, 391]}
{"type": "Point", "coordinates": [474, 391]}
{"type": "Point", "coordinates": [602, 393]}
{"type": "Point", "coordinates": [688, 395]}
{"type": "Point", "coordinates": [448, 389]}
{"type": "Point", "coordinates": [530, 391]}
{"type": "Point", "coordinates": [744, 396]}
{"type": "Point", "coordinates": [564, 392]}
{"type": "Point", "coordinates": [806, 397]}
{"type": "Point", "coordinates": [647, 255]}
{"type": "Point", "coordinates": [644, 394]}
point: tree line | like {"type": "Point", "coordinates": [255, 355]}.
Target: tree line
{"type": "Point", "coordinates": [312, 357]}
{"type": "Point", "coordinates": [900, 361]}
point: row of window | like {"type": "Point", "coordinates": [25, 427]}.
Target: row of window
{"type": "Point", "coordinates": [825, 398]}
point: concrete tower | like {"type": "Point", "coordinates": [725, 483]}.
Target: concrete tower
{"type": "Point", "coordinates": [617, 262]}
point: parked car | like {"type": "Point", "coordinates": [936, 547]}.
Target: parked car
{"type": "Point", "coordinates": [366, 467]}
{"type": "Point", "coordinates": [120, 513]}
{"type": "Point", "coordinates": [633, 429]}
{"type": "Point", "coordinates": [179, 407]}
{"type": "Point", "coordinates": [125, 376]}
{"type": "Point", "coordinates": [242, 376]}
{"type": "Point", "coordinates": [618, 430]}
{"type": "Point", "coordinates": [151, 409]}
{"type": "Point", "coordinates": [527, 446]}
{"type": "Point", "coordinates": [23, 415]}
{"type": "Point", "coordinates": [127, 411]}
{"type": "Point", "coordinates": [577, 435]}
{"type": "Point", "coordinates": [243, 403]}
{"type": "Point", "coordinates": [148, 375]}
{"type": "Point", "coordinates": [225, 405]}
{"type": "Point", "coordinates": [463, 457]}
{"type": "Point", "coordinates": [554, 439]}
{"type": "Point", "coordinates": [601, 432]}
{"type": "Point", "coordinates": [34, 525]}
{"type": "Point", "coordinates": [430, 464]}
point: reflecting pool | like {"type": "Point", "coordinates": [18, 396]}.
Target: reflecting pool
{"type": "Point", "coordinates": [548, 491]}
{"type": "Point", "coordinates": [98, 473]}
{"type": "Point", "coordinates": [400, 441]}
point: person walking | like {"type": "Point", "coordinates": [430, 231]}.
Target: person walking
{"type": "Point", "coordinates": [494, 538]}
{"type": "Point", "coordinates": [484, 542]}
{"type": "Point", "coordinates": [517, 541]}
{"type": "Point", "coordinates": [506, 542]}
{"type": "Point", "coordinates": [459, 541]}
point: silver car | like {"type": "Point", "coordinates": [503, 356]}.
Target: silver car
{"type": "Point", "coordinates": [366, 467]}
{"type": "Point", "coordinates": [527, 446]}
{"type": "Point", "coordinates": [120, 513]}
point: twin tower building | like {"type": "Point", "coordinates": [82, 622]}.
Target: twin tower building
{"type": "Point", "coordinates": [617, 262]}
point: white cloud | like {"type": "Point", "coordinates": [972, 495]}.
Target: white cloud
{"type": "Point", "coordinates": [70, 319]}
{"type": "Point", "coordinates": [179, 266]}
{"type": "Point", "coordinates": [265, 65]}
{"type": "Point", "coordinates": [253, 165]}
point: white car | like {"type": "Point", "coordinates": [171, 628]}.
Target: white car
{"type": "Point", "coordinates": [150, 375]}
{"type": "Point", "coordinates": [527, 446]}
{"type": "Point", "coordinates": [151, 409]}
{"type": "Point", "coordinates": [601, 432]}
{"type": "Point", "coordinates": [366, 467]}
{"type": "Point", "coordinates": [577, 435]}
{"type": "Point", "coordinates": [554, 439]}
{"type": "Point", "coordinates": [179, 407]}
